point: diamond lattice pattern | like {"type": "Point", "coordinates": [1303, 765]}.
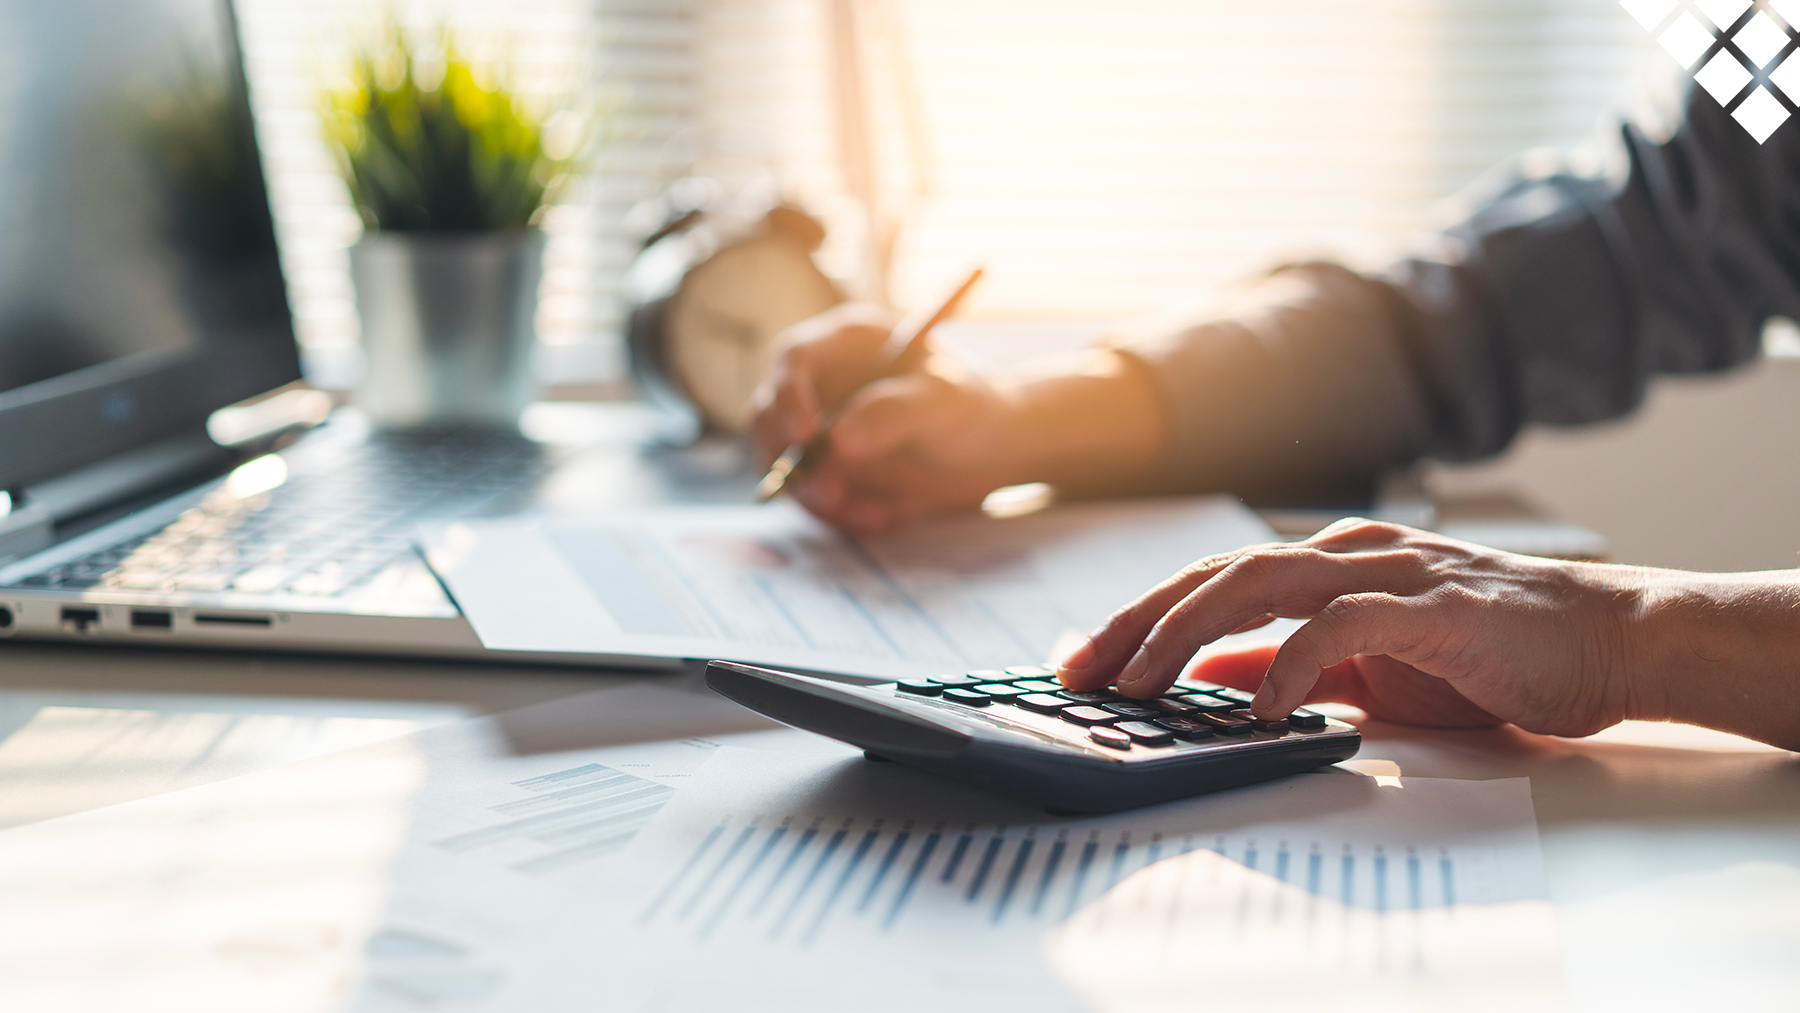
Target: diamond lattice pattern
{"type": "Point", "coordinates": [1740, 52]}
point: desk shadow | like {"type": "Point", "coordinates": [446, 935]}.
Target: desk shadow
{"type": "Point", "coordinates": [860, 787]}
{"type": "Point", "coordinates": [676, 709]}
{"type": "Point", "coordinates": [1577, 780]}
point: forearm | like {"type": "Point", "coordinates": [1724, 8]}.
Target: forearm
{"type": "Point", "coordinates": [1102, 429]}
{"type": "Point", "coordinates": [1298, 391]}
{"type": "Point", "coordinates": [1723, 651]}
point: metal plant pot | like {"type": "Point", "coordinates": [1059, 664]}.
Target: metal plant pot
{"type": "Point", "coordinates": [447, 326]}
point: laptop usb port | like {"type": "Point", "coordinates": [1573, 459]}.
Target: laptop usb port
{"type": "Point", "coordinates": [223, 619]}
{"type": "Point", "coordinates": [80, 619]}
{"type": "Point", "coordinates": [151, 619]}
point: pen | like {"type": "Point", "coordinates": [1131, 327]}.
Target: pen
{"type": "Point", "coordinates": [904, 351]}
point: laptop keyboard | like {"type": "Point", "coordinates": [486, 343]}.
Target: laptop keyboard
{"type": "Point", "coordinates": [344, 514]}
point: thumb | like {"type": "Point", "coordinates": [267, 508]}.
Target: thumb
{"type": "Point", "coordinates": [888, 414]}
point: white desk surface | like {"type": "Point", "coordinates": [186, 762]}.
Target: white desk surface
{"type": "Point", "coordinates": [1673, 853]}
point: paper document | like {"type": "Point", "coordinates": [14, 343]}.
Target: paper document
{"type": "Point", "coordinates": [772, 585]}
{"type": "Point", "coordinates": [784, 882]}
{"type": "Point", "coordinates": [666, 849]}
{"type": "Point", "coordinates": [401, 875]}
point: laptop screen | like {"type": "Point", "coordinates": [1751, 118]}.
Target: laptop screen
{"type": "Point", "coordinates": [139, 284]}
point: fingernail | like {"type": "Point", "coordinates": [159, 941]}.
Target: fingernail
{"type": "Point", "coordinates": [1264, 698]}
{"type": "Point", "coordinates": [1135, 669]}
{"type": "Point", "coordinates": [1079, 659]}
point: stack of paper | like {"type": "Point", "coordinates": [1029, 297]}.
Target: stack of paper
{"type": "Point", "coordinates": [772, 585]}
{"type": "Point", "coordinates": [653, 848]}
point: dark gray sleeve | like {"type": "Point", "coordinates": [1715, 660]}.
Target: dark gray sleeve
{"type": "Point", "coordinates": [1556, 301]}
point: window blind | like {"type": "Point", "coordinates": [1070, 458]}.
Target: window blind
{"type": "Point", "coordinates": [1105, 157]}
{"type": "Point", "coordinates": [1100, 156]}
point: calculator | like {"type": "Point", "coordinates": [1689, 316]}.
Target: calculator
{"type": "Point", "coordinates": [1018, 731]}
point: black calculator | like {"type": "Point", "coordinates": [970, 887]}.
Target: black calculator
{"type": "Point", "coordinates": [1020, 732]}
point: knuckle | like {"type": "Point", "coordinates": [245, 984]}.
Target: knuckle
{"type": "Point", "coordinates": [1457, 596]}
{"type": "Point", "coordinates": [1341, 611]}
{"type": "Point", "coordinates": [1349, 609]}
{"type": "Point", "coordinates": [1359, 529]}
{"type": "Point", "coordinates": [1263, 563]}
{"type": "Point", "coordinates": [1251, 566]}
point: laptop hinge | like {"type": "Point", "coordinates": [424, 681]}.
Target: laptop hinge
{"type": "Point", "coordinates": [124, 475]}
{"type": "Point", "coordinates": [24, 529]}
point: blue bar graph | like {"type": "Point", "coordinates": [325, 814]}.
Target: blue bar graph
{"type": "Point", "coordinates": [1088, 851]}
{"type": "Point", "coordinates": [781, 873]}
{"type": "Point", "coordinates": [912, 880]}
{"type": "Point", "coordinates": [1020, 857]}
{"type": "Point", "coordinates": [849, 872]}
{"type": "Point", "coordinates": [897, 845]}
{"type": "Point", "coordinates": [981, 871]}
{"type": "Point", "coordinates": [799, 880]}
{"type": "Point", "coordinates": [1049, 874]}
{"type": "Point", "coordinates": [812, 876]}
{"type": "Point", "coordinates": [956, 856]}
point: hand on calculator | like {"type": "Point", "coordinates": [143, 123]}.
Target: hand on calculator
{"type": "Point", "coordinates": [1407, 625]}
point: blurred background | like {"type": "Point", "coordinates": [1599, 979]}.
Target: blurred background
{"type": "Point", "coordinates": [1102, 157]}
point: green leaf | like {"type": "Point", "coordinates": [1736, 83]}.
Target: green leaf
{"type": "Point", "coordinates": [457, 156]}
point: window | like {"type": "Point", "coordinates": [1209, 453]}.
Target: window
{"type": "Point", "coordinates": [1101, 156]}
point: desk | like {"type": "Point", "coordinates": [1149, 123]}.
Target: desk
{"type": "Point", "coordinates": [1673, 853]}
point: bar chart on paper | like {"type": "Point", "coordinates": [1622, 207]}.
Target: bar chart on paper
{"type": "Point", "coordinates": [795, 879]}
{"type": "Point", "coordinates": [569, 817]}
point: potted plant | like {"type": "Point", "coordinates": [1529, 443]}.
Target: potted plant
{"type": "Point", "coordinates": [451, 172]}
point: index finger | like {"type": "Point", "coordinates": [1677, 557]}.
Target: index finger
{"type": "Point", "coordinates": [1098, 660]}
{"type": "Point", "coordinates": [789, 409]}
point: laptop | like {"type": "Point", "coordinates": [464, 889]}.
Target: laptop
{"type": "Point", "coordinates": [140, 293]}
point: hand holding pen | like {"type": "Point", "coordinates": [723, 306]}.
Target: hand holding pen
{"type": "Point", "coordinates": [904, 351]}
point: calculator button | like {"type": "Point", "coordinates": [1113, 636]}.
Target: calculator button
{"type": "Point", "coordinates": [988, 675]}
{"type": "Point", "coordinates": [954, 680]}
{"type": "Point", "coordinates": [1196, 686]}
{"type": "Point", "coordinates": [999, 689]}
{"type": "Point", "coordinates": [1099, 697]}
{"type": "Point", "coordinates": [1172, 706]}
{"type": "Point", "coordinates": [1040, 686]}
{"type": "Point", "coordinates": [1210, 703]}
{"type": "Point", "coordinates": [967, 696]}
{"type": "Point", "coordinates": [1277, 725]}
{"type": "Point", "coordinates": [919, 687]}
{"type": "Point", "coordinates": [1186, 728]}
{"type": "Point", "coordinates": [1110, 737]}
{"type": "Point", "coordinates": [1227, 693]}
{"type": "Point", "coordinates": [1043, 703]}
{"type": "Point", "coordinates": [1145, 734]}
{"type": "Point", "coordinates": [1306, 719]}
{"type": "Point", "coordinates": [1083, 715]}
{"type": "Point", "coordinates": [1131, 710]}
{"type": "Point", "coordinates": [1224, 724]}
{"type": "Point", "coordinates": [1031, 671]}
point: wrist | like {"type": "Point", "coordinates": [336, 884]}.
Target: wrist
{"type": "Point", "coordinates": [1721, 650]}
